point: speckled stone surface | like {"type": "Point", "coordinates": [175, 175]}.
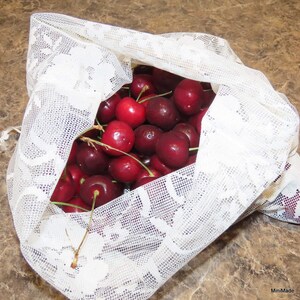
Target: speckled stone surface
{"type": "Point", "coordinates": [253, 256]}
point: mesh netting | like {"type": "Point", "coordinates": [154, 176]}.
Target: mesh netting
{"type": "Point", "coordinates": [139, 240]}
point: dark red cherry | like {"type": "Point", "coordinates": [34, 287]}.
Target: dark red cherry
{"type": "Point", "coordinates": [124, 168]}
{"type": "Point", "coordinates": [196, 120]}
{"type": "Point", "coordinates": [143, 69]}
{"type": "Point", "coordinates": [119, 187]}
{"type": "Point", "coordinates": [145, 160]}
{"type": "Point", "coordinates": [118, 135]}
{"type": "Point", "coordinates": [142, 82]}
{"type": "Point", "coordinates": [162, 113]}
{"type": "Point", "coordinates": [77, 175]}
{"type": "Point", "coordinates": [145, 138]}
{"type": "Point", "coordinates": [188, 96]}
{"type": "Point", "coordinates": [72, 155]}
{"type": "Point", "coordinates": [124, 91]}
{"type": "Point", "coordinates": [91, 159]}
{"type": "Point", "coordinates": [78, 202]}
{"type": "Point", "coordinates": [106, 111]}
{"type": "Point", "coordinates": [144, 100]}
{"type": "Point", "coordinates": [209, 97]}
{"type": "Point", "coordinates": [172, 148]}
{"type": "Point", "coordinates": [92, 134]}
{"type": "Point", "coordinates": [130, 112]}
{"type": "Point", "coordinates": [105, 187]}
{"type": "Point", "coordinates": [64, 189]}
{"type": "Point", "coordinates": [190, 132]}
{"type": "Point", "coordinates": [157, 164]}
{"type": "Point", "coordinates": [144, 173]}
{"type": "Point", "coordinates": [165, 81]}
{"type": "Point", "coordinates": [206, 86]}
{"type": "Point", "coordinates": [142, 181]}
{"type": "Point", "coordinates": [192, 159]}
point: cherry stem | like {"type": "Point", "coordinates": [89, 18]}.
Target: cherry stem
{"type": "Point", "coordinates": [76, 252]}
{"type": "Point", "coordinates": [99, 124]}
{"type": "Point", "coordinates": [69, 204]}
{"type": "Point", "coordinates": [91, 141]}
{"type": "Point", "coordinates": [99, 127]}
{"type": "Point", "coordinates": [156, 96]}
{"type": "Point", "coordinates": [144, 89]}
{"type": "Point", "coordinates": [194, 149]}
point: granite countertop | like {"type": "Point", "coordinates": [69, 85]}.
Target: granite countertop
{"type": "Point", "coordinates": [253, 256]}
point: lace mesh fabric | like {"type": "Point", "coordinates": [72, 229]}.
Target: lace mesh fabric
{"type": "Point", "coordinates": [139, 240]}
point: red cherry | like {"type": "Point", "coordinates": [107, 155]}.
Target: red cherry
{"type": "Point", "coordinates": [209, 97]}
{"type": "Point", "coordinates": [144, 100]}
{"type": "Point", "coordinates": [77, 175]}
{"type": "Point", "coordinates": [197, 119]}
{"type": "Point", "coordinates": [145, 138]}
{"type": "Point", "coordinates": [188, 96]}
{"type": "Point", "coordinates": [165, 81]}
{"type": "Point", "coordinates": [172, 148]}
{"type": "Point", "coordinates": [157, 164]}
{"type": "Point", "coordinates": [206, 85]}
{"type": "Point", "coordinates": [92, 134]}
{"type": "Point", "coordinates": [118, 135]}
{"type": "Point", "coordinates": [64, 189]}
{"type": "Point", "coordinates": [142, 82]}
{"type": "Point", "coordinates": [131, 112]}
{"type": "Point", "coordinates": [104, 185]}
{"type": "Point", "coordinates": [72, 155]}
{"type": "Point", "coordinates": [162, 113]}
{"type": "Point", "coordinates": [124, 168]}
{"type": "Point", "coordinates": [76, 201]}
{"type": "Point", "coordinates": [119, 187]}
{"type": "Point", "coordinates": [145, 160]}
{"type": "Point", "coordinates": [144, 173]}
{"type": "Point", "coordinates": [190, 133]}
{"type": "Point", "coordinates": [91, 159]}
{"type": "Point", "coordinates": [143, 69]}
{"type": "Point", "coordinates": [124, 91]}
{"type": "Point", "coordinates": [106, 111]}
{"type": "Point", "coordinates": [192, 159]}
{"type": "Point", "coordinates": [142, 181]}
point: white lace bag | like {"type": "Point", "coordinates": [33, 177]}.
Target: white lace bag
{"type": "Point", "coordinates": [139, 240]}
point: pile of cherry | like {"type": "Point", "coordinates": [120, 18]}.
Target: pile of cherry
{"type": "Point", "coordinates": [147, 129]}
